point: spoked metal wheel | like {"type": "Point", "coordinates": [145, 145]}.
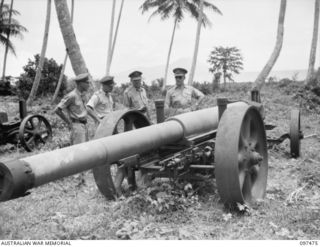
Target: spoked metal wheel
{"type": "Point", "coordinates": [241, 156]}
{"type": "Point", "coordinates": [295, 133]}
{"type": "Point", "coordinates": [110, 177]}
{"type": "Point", "coordinates": [34, 131]}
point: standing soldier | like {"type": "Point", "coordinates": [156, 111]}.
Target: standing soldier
{"type": "Point", "coordinates": [74, 104]}
{"type": "Point", "coordinates": [180, 96]}
{"type": "Point", "coordinates": [135, 96]}
{"type": "Point", "coordinates": [101, 102]}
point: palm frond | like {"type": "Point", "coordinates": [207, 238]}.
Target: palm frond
{"type": "Point", "coordinates": [10, 27]}
{"type": "Point", "coordinates": [176, 9]}
{"type": "Point", "coordinates": [5, 41]}
{"type": "Point", "coordinates": [194, 10]}
{"type": "Point", "coordinates": [207, 5]}
{"type": "Point", "coordinates": [178, 14]}
{"type": "Point", "coordinates": [149, 4]}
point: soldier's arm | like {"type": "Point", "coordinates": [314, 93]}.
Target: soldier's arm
{"type": "Point", "coordinates": [93, 114]}
{"type": "Point", "coordinates": [199, 96]}
{"type": "Point", "coordinates": [126, 99]}
{"type": "Point", "coordinates": [63, 116]}
{"type": "Point", "coordinates": [90, 108]}
{"type": "Point", "coordinates": [113, 102]}
{"type": "Point", "coordinates": [147, 108]}
{"type": "Point", "coordinates": [144, 108]}
{"type": "Point", "coordinates": [64, 103]}
{"type": "Point", "coordinates": [167, 102]}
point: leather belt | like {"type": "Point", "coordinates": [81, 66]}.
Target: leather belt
{"type": "Point", "coordinates": [82, 121]}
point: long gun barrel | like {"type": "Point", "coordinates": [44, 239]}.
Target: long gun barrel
{"type": "Point", "coordinates": [19, 176]}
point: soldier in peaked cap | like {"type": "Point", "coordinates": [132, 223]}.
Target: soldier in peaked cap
{"type": "Point", "coordinates": [180, 95]}
{"type": "Point", "coordinates": [101, 102]}
{"type": "Point", "coordinates": [135, 96]}
{"type": "Point", "coordinates": [76, 113]}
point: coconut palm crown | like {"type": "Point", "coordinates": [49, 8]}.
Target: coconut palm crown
{"type": "Point", "coordinates": [11, 27]}
{"type": "Point", "coordinates": [177, 8]}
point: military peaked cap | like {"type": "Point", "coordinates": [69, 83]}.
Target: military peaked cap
{"type": "Point", "coordinates": [107, 80]}
{"type": "Point", "coordinates": [180, 71]}
{"type": "Point", "coordinates": [82, 77]}
{"type": "Point", "coordinates": [135, 74]}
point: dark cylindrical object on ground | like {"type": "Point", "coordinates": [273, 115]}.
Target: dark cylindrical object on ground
{"type": "Point", "coordinates": [159, 110]}
{"type": "Point", "coordinates": [255, 96]}
{"type": "Point", "coordinates": [222, 105]}
{"type": "Point", "coordinates": [22, 109]}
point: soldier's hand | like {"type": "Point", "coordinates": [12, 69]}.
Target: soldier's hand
{"type": "Point", "coordinates": [97, 122]}
{"type": "Point", "coordinates": [70, 126]}
{"type": "Point", "coordinates": [142, 109]}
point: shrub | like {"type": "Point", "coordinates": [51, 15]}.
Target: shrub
{"type": "Point", "coordinates": [5, 87]}
{"type": "Point", "coordinates": [49, 78]}
{"type": "Point", "coordinates": [205, 87]}
{"type": "Point", "coordinates": [154, 91]}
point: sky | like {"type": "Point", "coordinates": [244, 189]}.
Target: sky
{"type": "Point", "coordinates": [250, 25]}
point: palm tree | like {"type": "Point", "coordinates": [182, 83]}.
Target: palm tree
{"type": "Point", "coordinates": [113, 37]}
{"type": "Point", "coordinates": [176, 8]}
{"type": "Point", "coordinates": [42, 56]}
{"type": "Point", "coordinates": [275, 54]}
{"type": "Point", "coordinates": [313, 51]}
{"type": "Point", "coordinates": [196, 46]}
{"type": "Point", "coordinates": [116, 32]}
{"type": "Point", "coordinates": [73, 49]}
{"type": "Point", "coordinates": [7, 42]}
{"type": "Point", "coordinates": [55, 95]}
{"type": "Point", "coordinates": [9, 27]}
{"type": "Point", "coordinates": [1, 5]}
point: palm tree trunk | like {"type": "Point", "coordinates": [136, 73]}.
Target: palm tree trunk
{"type": "Point", "coordinates": [7, 47]}
{"type": "Point", "coordinates": [77, 62]}
{"type": "Point", "coordinates": [168, 57]}
{"type": "Point", "coordinates": [110, 37]}
{"type": "Point", "coordinates": [224, 78]}
{"type": "Point", "coordinates": [216, 80]}
{"type": "Point", "coordinates": [64, 63]}
{"type": "Point", "coordinates": [259, 82]}
{"type": "Point", "coordinates": [1, 6]}
{"type": "Point", "coordinates": [116, 33]}
{"type": "Point", "coordinates": [42, 56]}
{"type": "Point", "coordinates": [196, 46]}
{"type": "Point", "coordinates": [313, 51]}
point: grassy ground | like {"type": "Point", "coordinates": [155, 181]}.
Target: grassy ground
{"type": "Point", "coordinates": [72, 208]}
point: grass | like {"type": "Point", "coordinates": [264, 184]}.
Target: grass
{"type": "Point", "coordinates": [73, 208]}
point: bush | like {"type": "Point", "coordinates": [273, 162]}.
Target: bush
{"type": "Point", "coordinates": [154, 91]}
{"type": "Point", "coordinates": [5, 87]}
{"type": "Point", "coordinates": [205, 87]}
{"type": "Point", "coordinates": [49, 78]}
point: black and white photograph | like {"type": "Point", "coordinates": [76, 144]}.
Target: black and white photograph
{"type": "Point", "coordinates": [159, 120]}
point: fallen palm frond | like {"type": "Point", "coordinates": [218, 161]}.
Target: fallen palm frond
{"type": "Point", "coordinates": [294, 196]}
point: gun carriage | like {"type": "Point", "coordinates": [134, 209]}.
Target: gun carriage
{"type": "Point", "coordinates": [31, 131]}
{"type": "Point", "coordinates": [227, 143]}
{"type": "Point", "coordinates": [295, 133]}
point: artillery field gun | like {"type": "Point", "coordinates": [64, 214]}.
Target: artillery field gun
{"type": "Point", "coordinates": [31, 131]}
{"type": "Point", "coordinates": [227, 143]}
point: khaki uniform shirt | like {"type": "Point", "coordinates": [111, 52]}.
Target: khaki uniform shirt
{"type": "Point", "coordinates": [101, 102]}
{"type": "Point", "coordinates": [73, 102]}
{"type": "Point", "coordinates": [134, 98]}
{"type": "Point", "coordinates": [179, 97]}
